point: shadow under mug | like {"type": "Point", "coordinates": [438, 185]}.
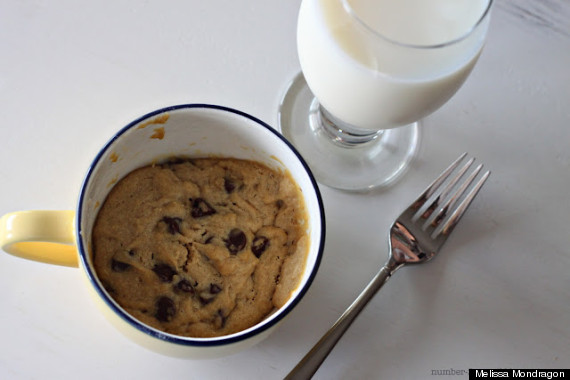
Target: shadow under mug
{"type": "Point", "coordinates": [189, 130]}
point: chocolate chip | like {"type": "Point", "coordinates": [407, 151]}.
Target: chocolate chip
{"type": "Point", "coordinates": [279, 203]}
{"type": "Point", "coordinates": [119, 266]}
{"type": "Point", "coordinates": [185, 286]}
{"type": "Point", "coordinates": [206, 298]}
{"type": "Point", "coordinates": [229, 185]}
{"type": "Point", "coordinates": [165, 309]}
{"type": "Point", "coordinates": [220, 319]}
{"type": "Point", "coordinates": [164, 272]}
{"type": "Point", "coordinates": [173, 224]}
{"type": "Point", "coordinates": [236, 241]}
{"type": "Point", "coordinates": [201, 208]}
{"type": "Point", "coordinates": [215, 288]}
{"type": "Point", "coordinates": [108, 287]}
{"type": "Point", "coordinates": [259, 245]}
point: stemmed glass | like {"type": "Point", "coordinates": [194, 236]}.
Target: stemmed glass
{"type": "Point", "coordinates": [371, 69]}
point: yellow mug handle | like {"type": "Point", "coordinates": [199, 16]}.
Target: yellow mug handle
{"type": "Point", "coordinates": [45, 236]}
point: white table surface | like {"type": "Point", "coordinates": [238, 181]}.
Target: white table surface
{"type": "Point", "coordinates": [74, 72]}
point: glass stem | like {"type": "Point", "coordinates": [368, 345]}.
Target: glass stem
{"type": "Point", "coordinates": [341, 133]}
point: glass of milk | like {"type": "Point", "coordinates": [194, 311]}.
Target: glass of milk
{"type": "Point", "coordinates": [371, 69]}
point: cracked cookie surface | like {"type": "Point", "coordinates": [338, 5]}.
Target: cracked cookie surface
{"type": "Point", "coordinates": [201, 247]}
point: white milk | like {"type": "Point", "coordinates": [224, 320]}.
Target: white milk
{"type": "Point", "coordinates": [361, 76]}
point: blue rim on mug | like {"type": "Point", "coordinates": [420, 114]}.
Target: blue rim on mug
{"type": "Point", "coordinates": [180, 340]}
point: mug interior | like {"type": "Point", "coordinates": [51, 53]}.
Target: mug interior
{"type": "Point", "coordinates": [197, 130]}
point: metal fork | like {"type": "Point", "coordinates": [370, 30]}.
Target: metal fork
{"type": "Point", "coordinates": [415, 237]}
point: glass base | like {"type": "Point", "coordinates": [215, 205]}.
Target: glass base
{"type": "Point", "coordinates": [376, 161]}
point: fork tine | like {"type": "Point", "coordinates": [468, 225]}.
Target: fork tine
{"type": "Point", "coordinates": [436, 218]}
{"type": "Point", "coordinates": [444, 193]}
{"type": "Point", "coordinates": [447, 227]}
{"type": "Point", "coordinates": [432, 188]}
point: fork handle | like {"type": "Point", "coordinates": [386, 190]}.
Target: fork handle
{"type": "Point", "coordinates": [317, 355]}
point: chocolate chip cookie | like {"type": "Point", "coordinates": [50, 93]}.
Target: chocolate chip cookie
{"type": "Point", "coordinates": [202, 247]}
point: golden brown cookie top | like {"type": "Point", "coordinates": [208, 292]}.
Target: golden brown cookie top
{"type": "Point", "coordinates": [202, 247]}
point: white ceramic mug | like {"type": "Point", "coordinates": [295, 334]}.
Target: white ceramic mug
{"type": "Point", "coordinates": [191, 130]}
